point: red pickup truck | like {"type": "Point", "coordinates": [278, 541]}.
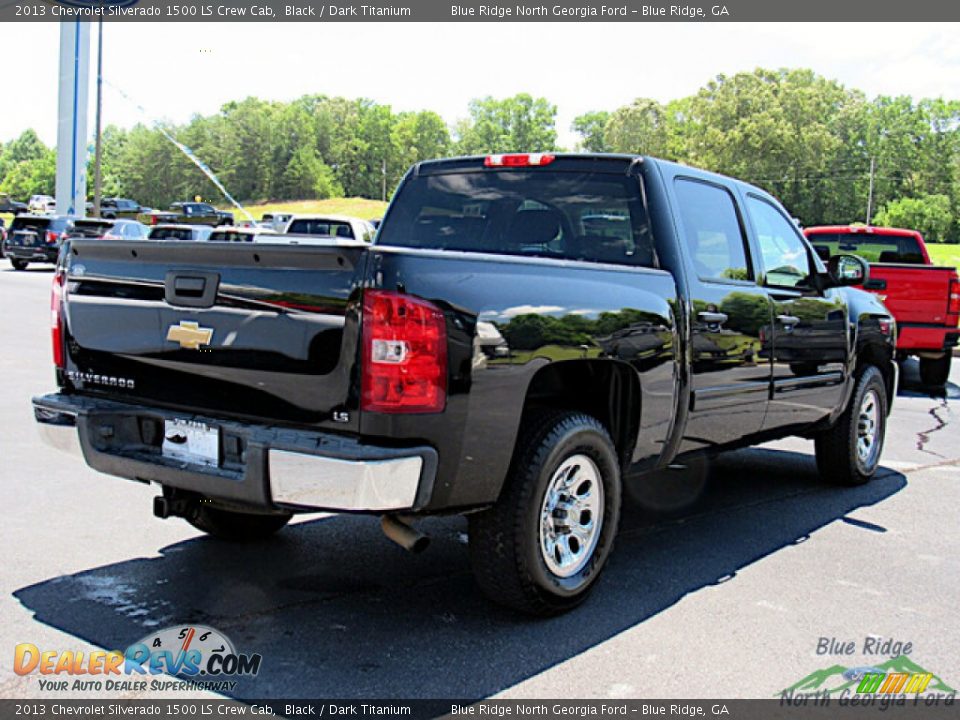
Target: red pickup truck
{"type": "Point", "coordinates": [924, 298]}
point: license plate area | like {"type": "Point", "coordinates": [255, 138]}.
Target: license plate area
{"type": "Point", "coordinates": [192, 442]}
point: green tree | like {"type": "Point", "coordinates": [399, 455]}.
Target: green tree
{"type": "Point", "coordinates": [307, 177]}
{"type": "Point", "coordinates": [591, 127]}
{"type": "Point", "coordinates": [928, 214]}
{"type": "Point", "coordinates": [640, 128]}
{"type": "Point", "coordinates": [31, 177]}
{"type": "Point", "coordinates": [520, 123]}
{"type": "Point", "coordinates": [416, 137]}
{"type": "Point", "coordinates": [24, 148]}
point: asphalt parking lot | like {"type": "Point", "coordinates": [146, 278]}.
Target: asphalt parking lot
{"type": "Point", "coordinates": [726, 598]}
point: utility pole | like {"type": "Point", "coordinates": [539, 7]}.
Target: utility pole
{"type": "Point", "coordinates": [870, 193]}
{"type": "Point", "coordinates": [97, 184]}
{"type": "Point", "coordinates": [384, 178]}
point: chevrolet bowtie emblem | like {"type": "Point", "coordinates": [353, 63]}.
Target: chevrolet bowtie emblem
{"type": "Point", "coordinates": [190, 335]}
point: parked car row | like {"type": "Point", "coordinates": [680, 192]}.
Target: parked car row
{"type": "Point", "coordinates": [36, 238]}
{"type": "Point", "coordinates": [187, 213]}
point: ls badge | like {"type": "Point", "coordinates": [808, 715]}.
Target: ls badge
{"type": "Point", "coordinates": [190, 335]}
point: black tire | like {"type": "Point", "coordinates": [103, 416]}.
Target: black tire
{"type": "Point", "coordinates": [935, 372]}
{"type": "Point", "coordinates": [506, 549]}
{"type": "Point", "coordinates": [236, 526]}
{"type": "Point", "coordinates": [838, 459]}
{"type": "Point", "coordinates": [18, 264]}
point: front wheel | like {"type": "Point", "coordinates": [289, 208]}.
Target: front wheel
{"type": "Point", "coordinates": [541, 548]}
{"type": "Point", "coordinates": [849, 452]}
{"type": "Point", "coordinates": [935, 372]}
{"type": "Point", "coordinates": [18, 264]}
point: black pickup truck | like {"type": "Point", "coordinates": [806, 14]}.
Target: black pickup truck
{"type": "Point", "coordinates": [525, 333]}
{"type": "Point", "coordinates": [187, 213]}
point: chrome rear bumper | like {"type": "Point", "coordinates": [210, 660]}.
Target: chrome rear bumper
{"type": "Point", "coordinates": [286, 469]}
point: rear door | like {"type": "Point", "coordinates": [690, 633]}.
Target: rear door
{"type": "Point", "coordinates": [808, 335]}
{"type": "Point", "coordinates": [730, 370]}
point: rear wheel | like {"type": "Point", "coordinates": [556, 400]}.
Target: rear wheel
{"type": "Point", "coordinates": [849, 452]}
{"type": "Point", "coordinates": [236, 526]}
{"type": "Point", "coordinates": [541, 548]}
{"type": "Point", "coordinates": [18, 264]}
{"type": "Point", "coordinates": [935, 372]}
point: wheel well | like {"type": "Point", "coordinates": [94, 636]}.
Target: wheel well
{"type": "Point", "coordinates": [880, 357]}
{"type": "Point", "coordinates": [606, 390]}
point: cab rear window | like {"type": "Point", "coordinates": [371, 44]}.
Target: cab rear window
{"type": "Point", "coordinates": [873, 248]}
{"type": "Point", "coordinates": [171, 234]}
{"type": "Point", "coordinates": [32, 224]}
{"type": "Point", "coordinates": [322, 228]}
{"type": "Point", "coordinates": [592, 216]}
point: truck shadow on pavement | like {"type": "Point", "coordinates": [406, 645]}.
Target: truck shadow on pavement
{"type": "Point", "coordinates": [337, 611]}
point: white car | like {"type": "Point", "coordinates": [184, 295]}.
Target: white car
{"type": "Point", "coordinates": [42, 204]}
{"type": "Point", "coordinates": [173, 231]}
{"type": "Point", "coordinates": [341, 227]}
{"type": "Point", "coordinates": [276, 221]}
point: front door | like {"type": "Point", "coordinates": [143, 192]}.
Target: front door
{"type": "Point", "coordinates": [730, 380]}
{"type": "Point", "coordinates": [809, 334]}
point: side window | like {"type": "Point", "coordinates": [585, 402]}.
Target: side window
{"type": "Point", "coordinates": [784, 256]}
{"type": "Point", "coordinates": [712, 231]}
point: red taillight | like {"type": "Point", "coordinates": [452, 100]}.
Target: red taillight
{"type": "Point", "coordinates": [57, 291]}
{"type": "Point", "coordinates": [404, 366]}
{"type": "Point", "coordinates": [154, 220]}
{"type": "Point", "coordinates": [953, 304]}
{"type": "Point", "coordinates": [519, 160]}
{"type": "Point", "coordinates": [52, 237]}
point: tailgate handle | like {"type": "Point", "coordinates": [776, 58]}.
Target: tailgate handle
{"type": "Point", "coordinates": [191, 288]}
{"type": "Point", "coordinates": [875, 284]}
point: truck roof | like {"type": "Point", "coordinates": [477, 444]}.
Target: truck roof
{"type": "Point", "coordinates": [582, 162]}
{"type": "Point", "coordinates": [327, 216]}
{"type": "Point", "coordinates": [865, 229]}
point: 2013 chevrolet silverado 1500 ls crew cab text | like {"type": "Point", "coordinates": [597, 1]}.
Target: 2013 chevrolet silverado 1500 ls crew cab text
{"type": "Point", "coordinates": [525, 332]}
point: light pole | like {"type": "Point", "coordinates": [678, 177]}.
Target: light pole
{"type": "Point", "coordinates": [96, 157]}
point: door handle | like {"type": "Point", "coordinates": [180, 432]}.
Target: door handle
{"type": "Point", "coordinates": [788, 320]}
{"type": "Point", "coordinates": [712, 318]}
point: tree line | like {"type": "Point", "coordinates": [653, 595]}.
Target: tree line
{"type": "Point", "coordinates": [809, 140]}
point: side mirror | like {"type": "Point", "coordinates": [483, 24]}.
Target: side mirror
{"type": "Point", "coordinates": [844, 270]}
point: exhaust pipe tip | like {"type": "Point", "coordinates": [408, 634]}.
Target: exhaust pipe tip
{"type": "Point", "coordinates": [403, 534]}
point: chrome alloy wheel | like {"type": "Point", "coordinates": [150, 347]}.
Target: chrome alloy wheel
{"type": "Point", "coordinates": [868, 429]}
{"type": "Point", "coordinates": [571, 516]}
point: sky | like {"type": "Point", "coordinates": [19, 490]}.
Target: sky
{"type": "Point", "coordinates": [177, 70]}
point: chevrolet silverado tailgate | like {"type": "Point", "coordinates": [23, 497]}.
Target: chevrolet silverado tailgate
{"type": "Point", "coordinates": [259, 332]}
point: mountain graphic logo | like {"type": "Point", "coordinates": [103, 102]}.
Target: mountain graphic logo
{"type": "Point", "coordinates": [837, 678]}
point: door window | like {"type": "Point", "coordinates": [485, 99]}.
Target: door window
{"type": "Point", "coordinates": [712, 231]}
{"type": "Point", "coordinates": [784, 255]}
